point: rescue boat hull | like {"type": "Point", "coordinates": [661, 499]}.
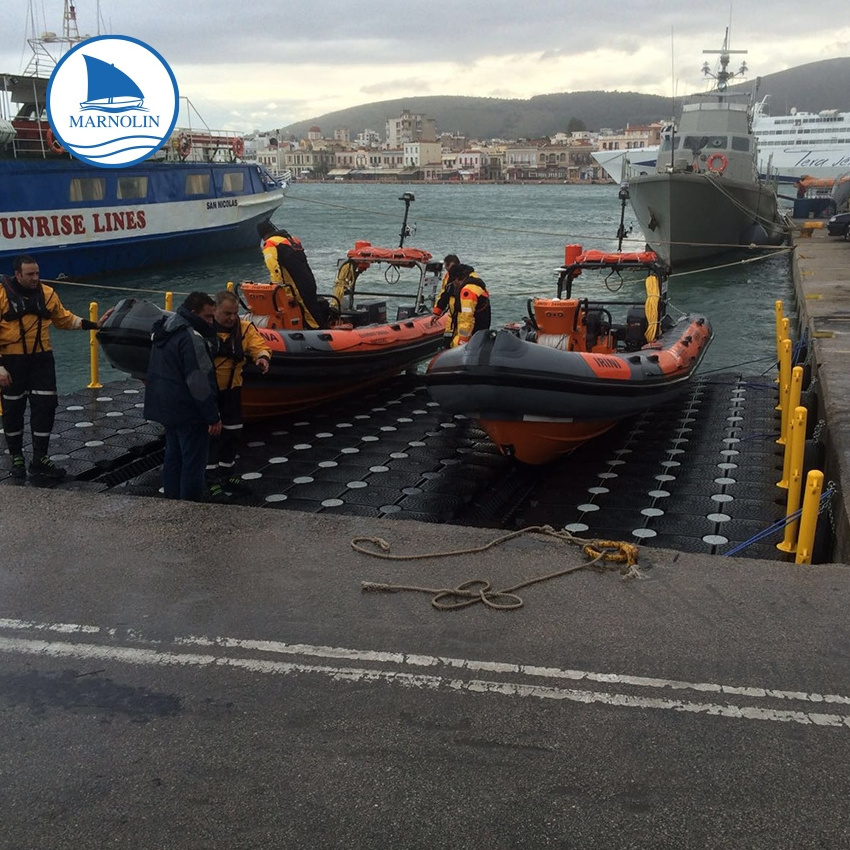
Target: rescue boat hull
{"type": "Point", "coordinates": [538, 403]}
{"type": "Point", "coordinates": [308, 367]}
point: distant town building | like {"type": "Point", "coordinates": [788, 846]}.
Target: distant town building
{"type": "Point", "coordinates": [368, 139]}
{"type": "Point", "coordinates": [421, 153]}
{"type": "Point", "coordinates": [409, 127]}
{"type": "Point", "coordinates": [634, 136]}
{"type": "Point", "coordinates": [342, 135]}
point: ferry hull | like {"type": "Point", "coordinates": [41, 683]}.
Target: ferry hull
{"type": "Point", "coordinates": [42, 213]}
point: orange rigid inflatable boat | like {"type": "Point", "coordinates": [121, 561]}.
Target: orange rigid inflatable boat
{"type": "Point", "coordinates": [361, 347]}
{"type": "Point", "coordinates": [571, 371]}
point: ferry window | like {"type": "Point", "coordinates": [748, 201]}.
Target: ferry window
{"type": "Point", "coordinates": [197, 184]}
{"type": "Point", "coordinates": [234, 181]}
{"type": "Point", "coordinates": [717, 142]}
{"type": "Point", "coordinates": [740, 143]}
{"type": "Point", "coordinates": [132, 187]}
{"type": "Point", "coordinates": [88, 188]}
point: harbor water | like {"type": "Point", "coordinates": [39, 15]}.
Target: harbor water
{"type": "Point", "coordinates": [514, 235]}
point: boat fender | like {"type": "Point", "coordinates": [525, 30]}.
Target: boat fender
{"type": "Point", "coordinates": [238, 146]}
{"type": "Point", "coordinates": [53, 142]}
{"type": "Point", "coordinates": [721, 163]}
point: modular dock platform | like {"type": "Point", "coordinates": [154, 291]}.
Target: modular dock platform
{"type": "Point", "coordinates": [697, 474]}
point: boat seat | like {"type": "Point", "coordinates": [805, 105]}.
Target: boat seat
{"type": "Point", "coordinates": [636, 325]}
{"type": "Point", "coordinates": [597, 322]}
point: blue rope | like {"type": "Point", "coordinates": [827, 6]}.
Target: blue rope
{"type": "Point", "coordinates": [776, 526]}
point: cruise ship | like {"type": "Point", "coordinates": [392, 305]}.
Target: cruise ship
{"type": "Point", "coordinates": [800, 144]}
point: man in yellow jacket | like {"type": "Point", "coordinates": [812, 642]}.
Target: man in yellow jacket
{"type": "Point", "coordinates": [237, 340]}
{"type": "Point", "coordinates": [467, 303]}
{"type": "Point", "coordinates": [287, 264]}
{"type": "Point", "coordinates": [27, 369]}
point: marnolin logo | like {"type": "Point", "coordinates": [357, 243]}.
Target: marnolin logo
{"type": "Point", "coordinates": [112, 101]}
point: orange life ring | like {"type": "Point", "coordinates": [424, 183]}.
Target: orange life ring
{"type": "Point", "coordinates": [715, 157]}
{"type": "Point", "coordinates": [184, 146]}
{"type": "Point", "coordinates": [53, 143]}
{"type": "Point", "coordinates": [238, 146]}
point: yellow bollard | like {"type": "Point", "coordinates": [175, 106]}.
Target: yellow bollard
{"type": "Point", "coordinates": [795, 479]}
{"type": "Point", "coordinates": [792, 402]}
{"type": "Point", "coordinates": [230, 286]}
{"type": "Point", "coordinates": [777, 307]}
{"type": "Point", "coordinates": [786, 458]}
{"type": "Point", "coordinates": [169, 300]}
{"type": "Point", "coordinates": [784, 387]}
{"type": "Point", "coordinates": [94, 384]}
{"type": "Point", "coordinates": [809, 517]}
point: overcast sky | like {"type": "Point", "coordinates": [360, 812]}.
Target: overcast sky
{"type": "Point", "coordinates": [251, 66]}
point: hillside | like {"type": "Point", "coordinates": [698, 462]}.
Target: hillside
{"type": "Point", "coordinates": [812, 87]}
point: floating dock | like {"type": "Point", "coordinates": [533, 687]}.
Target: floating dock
{"type": "Point", "coordinates": [697, 474]}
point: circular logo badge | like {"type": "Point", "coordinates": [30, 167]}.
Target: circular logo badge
{"type": "Point", "coordinates": [112, 101]}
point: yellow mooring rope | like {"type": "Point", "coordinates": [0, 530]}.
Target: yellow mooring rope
{"type": "Point", "coordinates": [478, 590]}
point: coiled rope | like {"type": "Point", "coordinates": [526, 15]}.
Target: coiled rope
{"type": "Point", "coordinates": [603, 553]}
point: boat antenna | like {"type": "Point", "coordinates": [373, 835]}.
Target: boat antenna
{"type": "Point", "coordinates": [623, 195]}
{"type": "Point", "coordinates": [408, 199]}
{"type": "Point", "coordinates": [723, 75]}
{"type": "Point", "coordinates": [672, 106]}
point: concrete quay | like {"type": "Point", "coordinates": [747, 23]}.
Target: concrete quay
{"type": "Point", "coordinates": [821, 270]}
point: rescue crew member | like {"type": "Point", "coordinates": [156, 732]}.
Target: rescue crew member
{"type": "Point", "coordinates": [287, 264]}
{"type": "Point", "coordinates": [449, 261]}
{"type": "Point", "coordinates": [467, 303]}
{"type": "Point", "coordinates": [27, 368]}
{"type": "Point", "coordinates": [181, 394]}
{"type": "Point", "coordinates": [236, 340]}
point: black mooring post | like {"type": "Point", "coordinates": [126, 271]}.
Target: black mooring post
{"type": "Point", "coordinates": [408, 198]}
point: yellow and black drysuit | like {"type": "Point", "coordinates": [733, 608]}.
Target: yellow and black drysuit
{"type": "Point", "coordinates": [468, 308]}
{"type": "Point", "coordinates": [233, 346]}
{"type": "Point", "coordinates": [25, 352]}
{"type": "Point", "coordinates": [287, 264]}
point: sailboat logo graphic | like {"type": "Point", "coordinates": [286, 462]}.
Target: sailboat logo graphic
{"type": "Point", "coordinates": [118, 123]}
{"type": "Point", "coordinates": [110, 89]}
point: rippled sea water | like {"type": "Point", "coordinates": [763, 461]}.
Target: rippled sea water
{"type": "Point", "coordinates": [514, 235]}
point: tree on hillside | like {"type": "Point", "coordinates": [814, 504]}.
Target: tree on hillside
{"type": "Point", "coordinates": [576, 125]}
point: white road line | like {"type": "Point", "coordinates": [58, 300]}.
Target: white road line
{"type": "Point", "coordinates": [416, 660]}
{"type": "Point", "coordinates": [153, 657]}
{"type": "Point", "coordinates": [157, 657]}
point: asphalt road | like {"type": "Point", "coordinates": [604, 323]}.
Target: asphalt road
{"type": "Point", "coordinates": [201, 676]}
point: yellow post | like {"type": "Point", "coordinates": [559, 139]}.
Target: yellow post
{"type": "Point", "coordinates": [786, 459]}
{"type": "Point", "coordinates": [809, 517]}
{"type": "Point", "coordinates": [777, 307]}
{"type": "Point", "coordinates": [792, 402]}
{"type": "Point", "coordinates": [169, 300]}
{"type": "Point", "coordinates": [784, 387]}
{"type": "Point", "coordinates": [94, 384]}
{"type": "Point", "coordinates": [230, 286]}
{"type": "Point", "coordinates": [795, 480]}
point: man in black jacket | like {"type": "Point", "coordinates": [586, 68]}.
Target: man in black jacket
{"type": "Point", "coordinates": [181, 394]}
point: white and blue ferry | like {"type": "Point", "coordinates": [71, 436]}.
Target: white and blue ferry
{"type": "Point", "coordinates": [197, 196]}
